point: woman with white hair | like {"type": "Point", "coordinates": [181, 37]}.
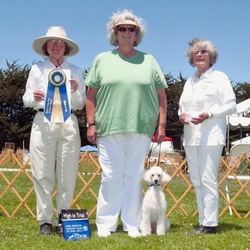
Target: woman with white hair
{"type": "Point", "coordinates": [206, 100]}
{"type": "Point", "coordinates": [126, 103]}
{"type": "Point", "coordinates": [55, 139]}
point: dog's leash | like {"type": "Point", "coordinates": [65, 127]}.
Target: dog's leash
{"type": "Point", "coordinates": [158, 161]}
{"type": "Point", "coordinates": [149, 156]}
{"type": "Point", "coordinates": [147, 165]}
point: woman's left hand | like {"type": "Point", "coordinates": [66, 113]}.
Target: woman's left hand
{"type": "Point", "coordinates": [201, 118]}
{"type": "Point", "coordinates": [74, 85]}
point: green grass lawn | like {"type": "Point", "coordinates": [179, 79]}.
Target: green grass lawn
{"type": "Point", "coordinates": [233, 233]}
{"type": "Point", "coordinates": [22, 232]}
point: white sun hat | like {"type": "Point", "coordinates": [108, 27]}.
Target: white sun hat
{"type": "Point", "coordinates": [55, 32]}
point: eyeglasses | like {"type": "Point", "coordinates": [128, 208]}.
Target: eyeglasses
{"type": "Point", "coordinates": [123, 29]}
{"type": "Point", "coordinates": [203, 52]}
{"type": "Point", "coordinates": [57, 42]}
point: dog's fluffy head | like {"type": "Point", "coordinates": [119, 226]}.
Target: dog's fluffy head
{"type": "Point", "coordinates": [156, 175]}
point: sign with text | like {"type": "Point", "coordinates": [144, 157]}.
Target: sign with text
{"type": "Point", "coordinates": [75, 224]}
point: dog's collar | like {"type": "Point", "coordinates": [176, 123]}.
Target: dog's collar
{"type": "Point", "coordinates": [154, 185]}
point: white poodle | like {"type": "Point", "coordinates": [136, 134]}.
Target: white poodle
{"type": "Point", "coordinates": [154, 204]}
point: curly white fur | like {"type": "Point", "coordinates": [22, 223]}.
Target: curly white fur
{"type": "Point", "coordinates": [154, 205]}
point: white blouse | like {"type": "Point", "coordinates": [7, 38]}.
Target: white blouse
{"type": "Point", "coordinates": [212, 93]}
{"type": "Point", "coordinates": [36, 82]}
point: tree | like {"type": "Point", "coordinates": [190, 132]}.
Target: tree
{"type": "Point", "coordinates": [242, 91]}
{"type": "Point", "coordinates": [81, 116]}
{"type": "Point", "coordinates": [174, 128]}
{"type": "Point", "coordinates": [14, 118]}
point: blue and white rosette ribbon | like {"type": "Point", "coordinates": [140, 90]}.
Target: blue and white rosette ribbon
{"type": "Point", "coordinates": [57, 108]}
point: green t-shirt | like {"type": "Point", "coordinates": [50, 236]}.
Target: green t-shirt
{"type": "Point", "coordinates": [126, 100]}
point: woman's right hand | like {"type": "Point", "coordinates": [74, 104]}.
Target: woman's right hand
{"type": "Point", "coordinates": [185, 118]}
{"type": "Point", "coordinates": [38, 95]}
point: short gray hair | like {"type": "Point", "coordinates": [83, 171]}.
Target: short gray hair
{"type": "Point", "coordinates": [199, 43]}
{"type": "Point", "coordinates": [120, 17]}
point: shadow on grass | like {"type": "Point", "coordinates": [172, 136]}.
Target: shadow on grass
{"type": "Point", "coordinates": [225, 227]}
{"type": "Point", "coordinates": [173, 228]}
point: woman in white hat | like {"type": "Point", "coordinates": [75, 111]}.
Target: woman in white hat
{"type": "Point", "coordinates": [55, 138]}
{"type": "Point", "coordinates": [126, 104]}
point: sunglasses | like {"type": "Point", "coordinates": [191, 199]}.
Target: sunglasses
{"type": "Point", "coordinates": [123, 29]}
{"type": "Point", "coordinates": [203, 52]}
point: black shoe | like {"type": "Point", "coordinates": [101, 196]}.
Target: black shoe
{"type": "Point", "coordinates": [197, 230]}
{"type": "Point", "coordinates": [209, 230]}
{"type": "Point", "coordinates": [202, 230]}
{"type": "Point", "coordinates": [46, 228]}
{"type": "Point", "coordinates": [59, 230]}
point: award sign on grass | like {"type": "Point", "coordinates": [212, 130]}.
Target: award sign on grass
{"type": "Point", "coordinates": [57, 106]}
{"type": "Point", "coordinates": [75, 224]}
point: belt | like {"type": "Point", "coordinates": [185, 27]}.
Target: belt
{"type": "Point", "coordinates": [42, 110]}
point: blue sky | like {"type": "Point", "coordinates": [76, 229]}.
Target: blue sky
{"type": "Point", "coordinates": [171, 24]}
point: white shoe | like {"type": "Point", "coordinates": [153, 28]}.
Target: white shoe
{"type": "Point", "coordinates": [134, 233]}
{"type": "Point", "coordinates": [103, 233]}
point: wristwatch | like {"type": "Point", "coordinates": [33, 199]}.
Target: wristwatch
{"type": "Point", "coordinates": [90, 124]}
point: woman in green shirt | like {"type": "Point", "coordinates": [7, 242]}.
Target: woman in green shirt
{"type": "Point", "coordinates": [126, 103]}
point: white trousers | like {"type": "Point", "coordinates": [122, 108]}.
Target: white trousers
{"type": "Point", "coordinates": [122, 159]}
{"type": "Point", "coordinates": [203, 164]}
{"type": "Point", "coordinates": [54, 155]}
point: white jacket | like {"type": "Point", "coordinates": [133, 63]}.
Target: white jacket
{"type": "Point", "coordinates": [211, 93]}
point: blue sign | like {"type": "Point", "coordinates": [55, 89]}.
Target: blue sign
{"type": "Point", "coordinates": [75, 224]}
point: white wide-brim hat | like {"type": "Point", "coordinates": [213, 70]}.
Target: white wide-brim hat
{"type": "Point", "coordinates": [55, 32]}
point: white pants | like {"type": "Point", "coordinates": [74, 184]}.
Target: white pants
{"type": "Point", "coordinates": [122, 159]}
{"type": "Point", "coordinates": [54, 154]}
{"type": "Point", "coordinates": [203, 164]}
